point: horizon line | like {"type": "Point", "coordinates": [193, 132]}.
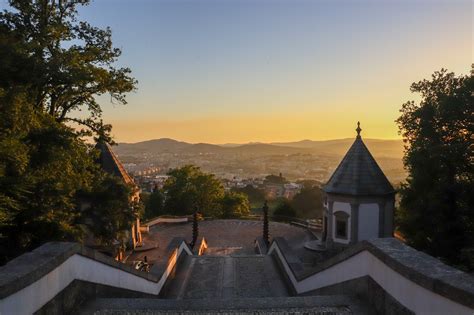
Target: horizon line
{"type": "Point", "coordinates": [256, 142]}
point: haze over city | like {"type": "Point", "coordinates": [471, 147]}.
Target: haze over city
{"type": "Point", "coordinates": [244, 71]}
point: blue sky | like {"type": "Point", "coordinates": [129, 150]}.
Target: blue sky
{"type": "Point", "coordinates": [212, 71]}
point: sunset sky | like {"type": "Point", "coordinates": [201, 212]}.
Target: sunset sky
{"type": "Point", "coordinates": [240, 71]}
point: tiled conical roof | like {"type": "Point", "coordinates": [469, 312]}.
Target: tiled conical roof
{"type": "Point", "coordinates": [110, 162]}
{"type": "Point", "coordinates": [358, 173]}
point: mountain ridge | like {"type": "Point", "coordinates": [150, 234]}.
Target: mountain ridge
{"type": "Point", "coordinates": [378, 147]}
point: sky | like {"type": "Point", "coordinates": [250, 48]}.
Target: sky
{"type": "Point", "coordinates": [222, 71]}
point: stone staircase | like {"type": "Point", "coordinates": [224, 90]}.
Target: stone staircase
{"type": "Point", "coordinates": [235, 284]}
{"type": "Point", "coordinates": [226, 277]}
{"type": "Point", "coordinates": [282, 305]}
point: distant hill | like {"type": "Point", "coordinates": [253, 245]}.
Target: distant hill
{"type": "Point", "coordinates": [379, 148]}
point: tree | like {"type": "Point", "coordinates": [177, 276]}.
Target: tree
{"type": "Point", "coordinates": [63, 63]}
{"type": "Point", "coordinates": [437, 201]}
{"type": "Point", "coordinates": [111, 214]}
{"type": "Point", "coordinates": [284, 209]}
{"type": "Point", "coordinates": [266, 234]}
{"type": "Point", "coordinates": [308, 203]}
{"type": "Point", "coordinates": [274, 179]}
{"type": "Point", "coordinates": [189, 188]}
{"type": "Point", "coordinates": [235, 205]}
{"type": "Point", "coordinates": [154, 204]}
{"type": "Point", "coordinates": [255, 195]}
{"type": "Point", "coordinates": [52, 66]}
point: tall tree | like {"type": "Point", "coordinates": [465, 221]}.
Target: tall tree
{"type": "Point", "coordinates": [266, 234]}
{"type": "Point", "coordinates": [51, 67]}
{"type": "Point", "coordinates": [437, 201]}
{"type": "Point", "coordinates": [63, 63]}
{"type": "Point", "coordinates": [188, 188]}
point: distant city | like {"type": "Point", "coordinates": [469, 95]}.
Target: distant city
{"type": "Point", "coordinates": [238, 165]}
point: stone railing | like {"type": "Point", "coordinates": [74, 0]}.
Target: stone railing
{"type": "Point", "coordinates": [165, 219]}
{"type": "Point", "coordinates": [56, 277]}
{"type": "Point", "coordinates": [392, 277]}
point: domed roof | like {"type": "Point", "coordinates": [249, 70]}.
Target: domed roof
{"type": "Point", "coordinates": [358, 174]}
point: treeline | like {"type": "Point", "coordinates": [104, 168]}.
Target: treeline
{"type": "Point", "coordinates": [189, 189]}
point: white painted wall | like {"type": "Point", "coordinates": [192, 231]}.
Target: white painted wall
{"type": "Point", "coordinates": [368, 221]}
{"type": "Point", "coordinates": [344, 207]}
{"type": "Point", "coordinates": [411, 295]}
{"type": "Point", "coordinates": [31, 298]}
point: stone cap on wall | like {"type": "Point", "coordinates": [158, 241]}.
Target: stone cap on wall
{"type": "Point", "coordinates": [30, 267]}
{"type": "Point", "coordinates": [414, 265]}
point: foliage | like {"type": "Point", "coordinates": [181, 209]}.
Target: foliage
{"type": "Point", "coordinates": [437, 201]}
{"type": "Point", "coordinates": [308, 203]}
{"type": "Point", "coordinates": [284, 209]}
{"type": "Point", "coordinates": [110, 215]}
{"type": "Point", "coordinates": [274, 179]}
{"type": "Point", "coordinates": [188, 188]}
{"type": "Point", "coordinates": [255, 195]}
{"type": "Point", "coordinates": [43, 165]}
{"type": "Point", "coordinates": [52, 66]}
{"type": "Point", "coordinates": [154, 204]}
{"type": "Point", "coordinates": [63, 63]}
{"type": "Point", "coordinates": [235, 205]}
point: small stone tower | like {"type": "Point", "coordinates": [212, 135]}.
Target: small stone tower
{"type": "Point", "coordinates": [359, 200]}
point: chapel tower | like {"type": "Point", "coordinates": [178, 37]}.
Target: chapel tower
{"type": "Point", "coordinates": [359, 199]}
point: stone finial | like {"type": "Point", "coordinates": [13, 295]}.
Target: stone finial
{"type": "Point", "coordinates": [358, 129]}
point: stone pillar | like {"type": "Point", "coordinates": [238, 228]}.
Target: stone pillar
{"type": "Point", "coordinates": [354, 222]}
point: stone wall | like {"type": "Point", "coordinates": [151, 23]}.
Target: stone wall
{"type": "Point", "coordinates": [51, 278]}
{"type": "Point", "coordinates": [399, 278]}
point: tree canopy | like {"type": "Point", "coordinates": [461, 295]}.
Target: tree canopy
{"type": "Point", "coordinates": [284, 209]}
{"type": "Point", "coordinates": [189, 189]}
{"type": "Point", "coordinates": [437, 201]}
{"type": "Point", "coordinates": [63, 63]}
{"type": "Point", "coordinates": [53, 66]}
{"type": "Point", "coordinates": [255, 195]}
{"type": "Point", "coordinates": [274, 179]}
{"type": "Point", "coordinates": [235, 205]}
{"type": "Point", "coordinates": [308, 203]}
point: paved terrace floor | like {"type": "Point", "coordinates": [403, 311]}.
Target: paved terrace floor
{"type": "Point", "coordinates": [224, 237]}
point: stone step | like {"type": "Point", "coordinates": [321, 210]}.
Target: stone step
{"type": "Point", "coordinates": [281, 305]}
{"type": "Point", "coordinates": [225, 277]}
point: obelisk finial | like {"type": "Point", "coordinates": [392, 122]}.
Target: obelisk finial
{"type": "Point", "coordinates": [358, 129]}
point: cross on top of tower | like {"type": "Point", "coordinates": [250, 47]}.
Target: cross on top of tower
{"type": "Point", "coordinates": [358, 129]}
